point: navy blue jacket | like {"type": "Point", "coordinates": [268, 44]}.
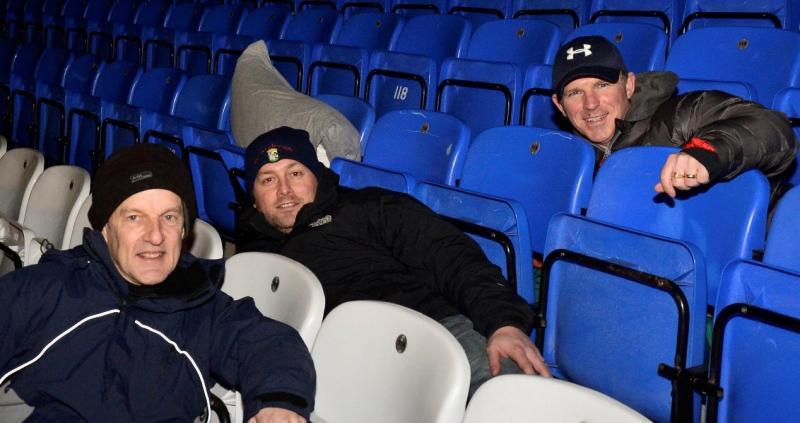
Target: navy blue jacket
{"type": "Point", "coordinates": [112, 357]}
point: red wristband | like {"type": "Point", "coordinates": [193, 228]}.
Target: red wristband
{"type": "Point", "coordinates": [698, 143]}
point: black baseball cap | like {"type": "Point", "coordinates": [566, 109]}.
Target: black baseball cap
{"type": "Point", "coordinates": [591, 56]}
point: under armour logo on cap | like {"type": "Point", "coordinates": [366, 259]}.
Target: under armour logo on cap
{"type": "Point", "coordinates": [586, 50]}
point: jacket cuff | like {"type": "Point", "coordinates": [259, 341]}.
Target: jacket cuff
{"type": "Point", "coordinates": [284, 400]}
{"type": "Point", "coordinates": [702, 151]}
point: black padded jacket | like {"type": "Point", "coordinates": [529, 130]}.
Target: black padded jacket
{"type": "Point", "coordinates": [374, 244]}
{"type": "Point", "coordinates": [744, 134]}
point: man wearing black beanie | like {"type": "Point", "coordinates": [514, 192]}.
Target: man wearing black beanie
{"type": "Point", "coordinates": [126, 328]}
{"type": "Point", "coordinates": [373, 244]}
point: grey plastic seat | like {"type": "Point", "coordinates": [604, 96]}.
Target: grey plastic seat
{"type": "Point", "coordinates": [19, 169]}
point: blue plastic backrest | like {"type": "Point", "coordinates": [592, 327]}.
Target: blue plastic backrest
{"type": "Point", "coordinates": [97, 10]}
{"type": "Point", "coordinates": [788, 102]}
{"type": "Point", "coordinates": [114, 81]}
{"type": "Point", "coordinates": [264, 23]}
{"type": "Point", "coordinates": [503, 215]}
{"type": "Point", "coordinates": [735, 51]}
{"type": "Point", "coordinates": [781, 249]}
{"type": "Point", "coordinates": [539, 109]}
{"type": "Point", "coordinates": [184, 16]}
{"type": "Point", "coordinates": [73, 8]}
{"type": "Point", "coordinates": [431, 6]}
{"type": "Point", "coordinates": [152, 13]}
{"type": "Point", "coordinates": [431, 146]}
{"type": "Point", "coordinates": [51, 66]}
{"type": "Point", "coordinates": [739, 89]}
{"type": "Point", "coordinates": [643, 46]}
{"type": "Point", "coordinates": [369, 31]}
{"type": "Point", "coordinates": [545, 170]}
{"type": "Point", "coordinates": [80, 74]}
{"type": "Point", "coordinates": [311, 26]}
{"type": "Point", "coordinates": [518, 41]}
{"type": "Point", "coordinates": [479, 12]}
{"type": "Point", "coordinates": [203, 99]}
{"type": "Point", "coordinates": [357, 111]}
{"type": "Point", "coordinates": [7, 48]}
{"type": "Point", "coordinates": [357, 175]}
{"type": "Point", "coordinates": [609, 333]}
{"type": "Point", "coordinates": [123, 11]}
{"type": "Point", "coordinates": [156, 88]}
{"type": "Point", "coordinates": [665, 14]}
{"type": "Point", "coordinates": [436, 36]}
{"type": "Point", "coordinates": [759, 371]}
{"type": "Point", "coordinates": [785, 11]}
{"type": "Point", "coordinates": [25, 59]}
{"type": "Point", "coordinates": [725, 220]}
{"type": "Point", "coordinates": [221, 19]}
{"type": "Point", "coordinates": [567, 14]}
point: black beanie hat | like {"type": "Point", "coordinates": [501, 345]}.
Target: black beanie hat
{"type": "Point", "coordinates": [278, 144]}
{"type": "Point", "coordinates": [135, 169]}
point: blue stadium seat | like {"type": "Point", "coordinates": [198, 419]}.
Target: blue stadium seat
{"type": "Point", "coordinates": [665, 14]}
{"type": "Point", "coordinates": [643, 46]}
{"type": "Point", "coordinates": [200, 108]}
{"type": "Point", "coordinates": [48, 75]}
{"type": "Point", "coordinates": [21, 85]}
{"type": "Point", "coordinates": [411, 8]}
{"type": "Point", "coordinates": [154, 90]}
{"type": "Point", "coordinates": [264, 23]}
{"type": "Point", "coordinates": [127, 37]}
{"type": "Point", "coordinates": [536, 108]}
{"type": "Point", "coordinates": [100, 36]}
{"type": "Point", "coordinates": [17, 14]}
{"type": "Point", "coordinates": [76, 30]}
{"type": "Point", "coordinates": [545, 171]}
{"type": "Point", "coordinates": [788, 101]}
{"type": "Point", "coordinates": [341, 67]}
{"type": "Point", "coordinates": [194, 52]}
{"type": "Point", "coordinates": [51, 106]}
{"type": "Point", "coordinates": [358, 175]}
{"type": "Point", "coordinates": [431, 146]}
{"type": "Point", "coordinates": [32, 20]}
{"type": "Point", "coordinates": [782, 14]}
{"type": "Point", "coordinates": [479, 12]}
{"type": "Point", "coordinates": [740, 89]}
{"type": "Point", "coordinates": [484, 88]}
{"type": "Point", "coordinates": [159, 41]}
{"type": "Point", "coordinates": [291, 54]}
{"type": "Point", "coordinates": [8, 49]}
{"type": "Point", "coordinates": [356, 110]}
{"type": "Point", "coordinates": [55, 24]}
{"type": "Point", "coordinates": [740, 55]}
{"type": "Point", "coordinates": [567, 14]}
{"type": "Point", "coordinates": [406, 77]}
{"type": "Point", "coordinates": [498, 225]}
{"type": "Point", "coordinates": [646, 266]}
{"type": "Point", "coordinates": [353, 7]}
{"type": "Point", "coordinates": [217, 196]}
{"type": "Point", "coordinates": [112, 83]}
{"type": "Point", "coordinates": [757, 328]}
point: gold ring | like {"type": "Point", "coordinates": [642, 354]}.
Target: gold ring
{"type": "Point", "coordinates": [677, 175]}
{"type": "Point", "coordinates": [691, 176]}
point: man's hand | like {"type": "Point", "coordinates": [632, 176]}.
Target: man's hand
{"type": "Point", "coordinates": [681, 171]}
{"type": "Point", "coordinates": [276, 415]}
{"type": "Point", "coordinates": [511, 342]}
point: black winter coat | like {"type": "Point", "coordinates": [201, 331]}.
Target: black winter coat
{"type": "Point", "coordinates": [744, 134]}
{"type": "Point", "coordinates": [374, 244]}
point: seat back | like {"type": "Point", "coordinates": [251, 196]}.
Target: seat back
{"type": "Point", "coordinates": [264, 23]}
{"type": "Point", "coordinates": [567, 14]}
{"type": "Point", "coordinates": [151, 13]}
{"type": "Point", "coordinates": [784, 232]}
{"type": "Point", "coordinates": [693, 216]}
{"type": "Point", "coordinates": [54, 203]}
{"type": "Point", "coordinates": [431, 146]}
{"type": "Point", "coordinates": [521, 42]}
{"type": "Point", "coordinates": [755, 344]}
{"type": "Point", "coordinates": [81, 222]}
{"type": "Point", "coordinates": [478, 12]}
{"type": "Point", "coordinates": [515, 398]}
{"type": "Point", "coordinates": [221, 19]}
{"type": "Point", "coordinates": [546, 171]}
{"type": "Point", "coordinates": [203, 100]}
{"type": "Point", "coordinates": [665, 14]}
{"type": "Point", "coordinates": [357, 111]}
{"type": "Point", "coordinates": [435, 36]}
{"type": "Point", "coordinates": [281, 288]}
{"type": "Point", "coordinates": [115, 79]}
{"type": "Point", "coordinates": [369, 31]}
{"type": "Point", "coordinates": [643, 46]}
{"type": "Point", "coordinates": [379, 361]}
{"type": "Point", "coordinates": [735, 51]}
{"type": "Point", "coordinates": [184, 16]}
{"type": "Point", "coordinates": [311, 26]}
{"type": "Point", "coordinates": [19, 170]}
{"type": "Point", "coordinates": [788, 102]}
{"type": "Point", "coordinates": [204, 241]}
{"type": "Point", "coordinates": [358, 175]}
{"type": "Point", "coordinates": [214, 189]}
{"type": "Point", "coordinates": [419, 7]}
{"type": "Point", "coordinates": [781, 14]}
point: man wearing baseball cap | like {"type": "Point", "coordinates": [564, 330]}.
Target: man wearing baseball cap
{"type": "Point", "coordinates": [373, 244]}
{"type": "Point", "coordinates": [719, 135]}
{"type": "Point", "coordinates": [127, 328]}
